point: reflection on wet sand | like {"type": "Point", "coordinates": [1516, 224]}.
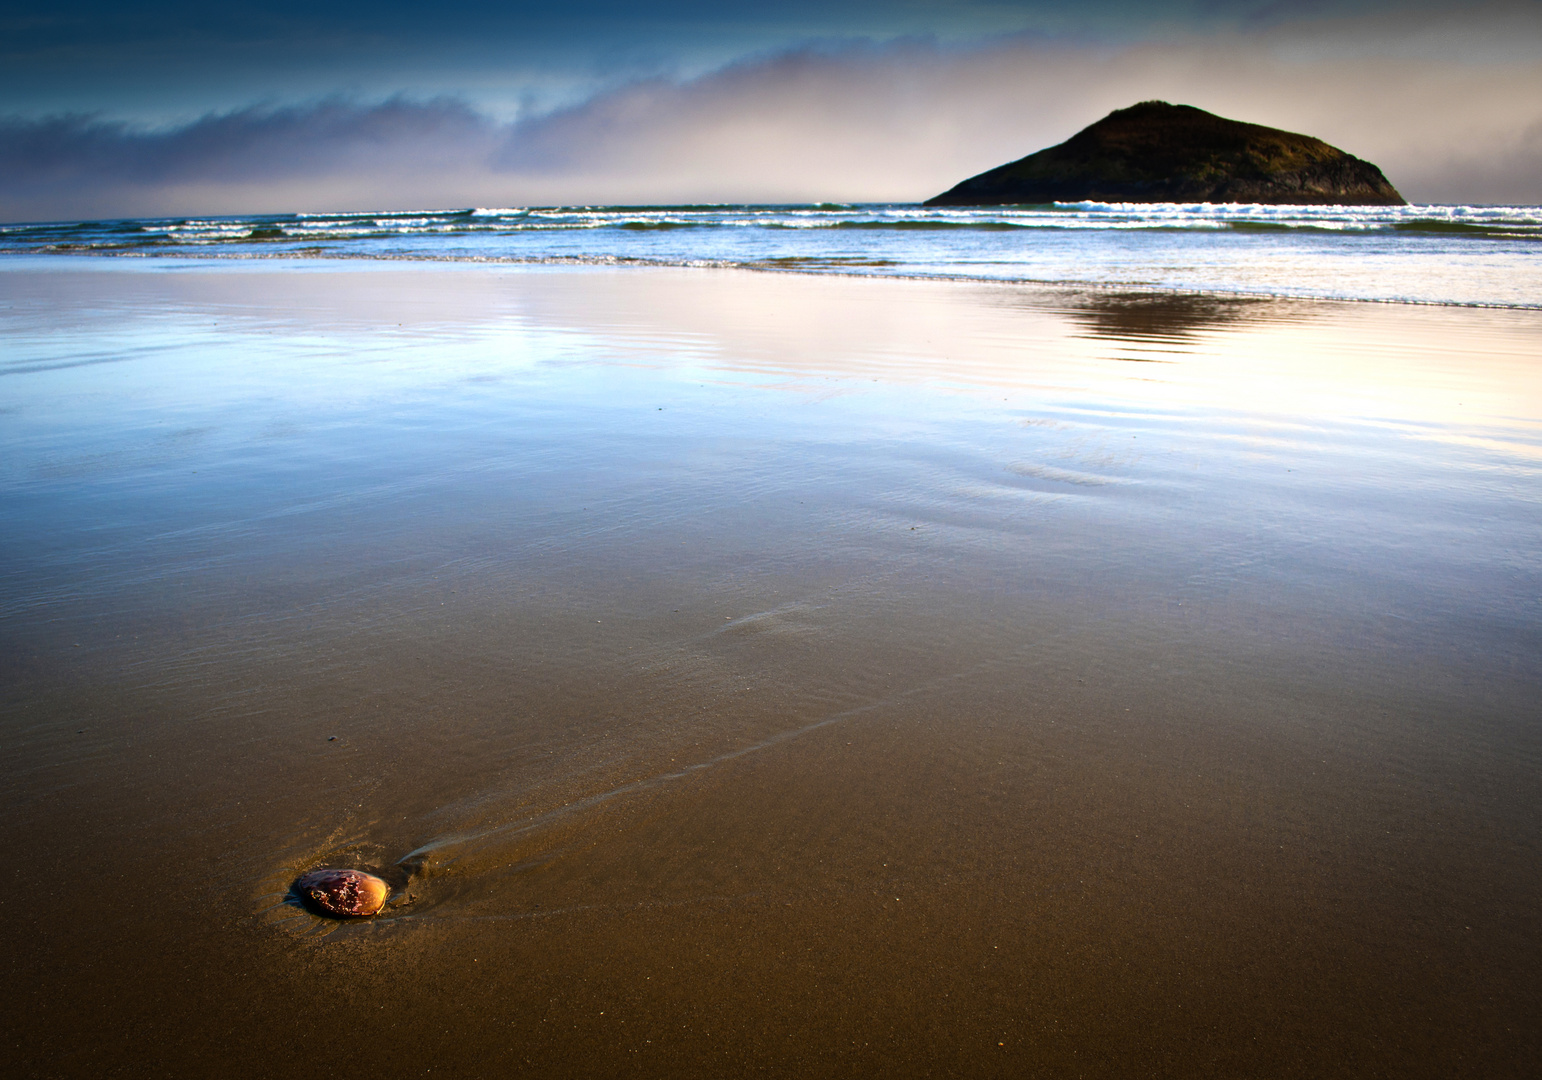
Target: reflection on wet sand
{"type": "Point", "coordinates": [732, 671]}
{"type": "Point", "coordinates": [1168, 318]}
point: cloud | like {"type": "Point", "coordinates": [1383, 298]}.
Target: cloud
{"type": "Point", "coordinates": [909, 119]}
{"type": "Point", "coordinates": [845, 121]}
{"type": "Point", "coordinates": [85, 166]}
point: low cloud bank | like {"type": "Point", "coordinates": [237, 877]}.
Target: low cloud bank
{"type": "Point", "coordinates": [255, 159]}
{"type": "Point", "coordinates": [899, 121]}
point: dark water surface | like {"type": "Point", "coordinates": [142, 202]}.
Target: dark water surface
{"type": "Point", "coordinates": [743, 673]}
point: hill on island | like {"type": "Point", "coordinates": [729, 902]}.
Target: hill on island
{"type": "Point", "coordinates": [1156, 152]}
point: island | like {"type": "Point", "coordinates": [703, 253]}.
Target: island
{"type": "Point", "coordinates": [1157, 152]}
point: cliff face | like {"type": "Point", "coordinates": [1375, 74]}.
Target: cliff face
{"type": "Point", "coordinates": [1156, 152]}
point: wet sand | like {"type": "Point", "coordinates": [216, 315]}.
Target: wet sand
{"type": "Point", "coordinates": [746, 673]}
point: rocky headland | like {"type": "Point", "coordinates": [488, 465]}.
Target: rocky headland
{"type": "Point", "coordinates": [1156, 152]}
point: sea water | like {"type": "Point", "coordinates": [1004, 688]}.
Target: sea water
{"type": "Point", "coordinates": [1484, 255]}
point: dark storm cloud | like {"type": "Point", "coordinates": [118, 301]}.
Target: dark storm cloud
{"type": "Point", "coordinates": [160, 59]}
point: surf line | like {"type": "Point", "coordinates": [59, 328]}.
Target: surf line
{"type": "Point", "coordinates": [413, 861]}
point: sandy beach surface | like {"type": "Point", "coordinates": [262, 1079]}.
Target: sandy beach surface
{"type": "Point", "coordinates": [758, 674]}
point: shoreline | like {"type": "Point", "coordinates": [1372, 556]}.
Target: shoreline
{"type": "Point", "coordinates": [616, 262]}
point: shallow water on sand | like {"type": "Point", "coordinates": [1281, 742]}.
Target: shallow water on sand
{"type": "Point", "coordinates": [737, 671]}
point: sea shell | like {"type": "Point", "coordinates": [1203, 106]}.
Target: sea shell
{"type": "Point", "coordinates": [343, 894]}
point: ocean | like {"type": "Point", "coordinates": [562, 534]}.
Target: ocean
{"type": "Point", "coordinates": [1482, 255]}
{"type": "Point", "coordinates": [1089, 641]}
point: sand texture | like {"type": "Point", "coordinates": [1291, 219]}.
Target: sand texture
{"type": "Point", "coordinates": [737, 673]}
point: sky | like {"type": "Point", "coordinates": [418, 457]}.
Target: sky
{"type": "Point", "coordinates": [174, 107]}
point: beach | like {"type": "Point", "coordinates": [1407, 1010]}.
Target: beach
{"type": "Point", "coordinates": [736, 671]}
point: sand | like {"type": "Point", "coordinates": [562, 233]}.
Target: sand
{"type": "Point", "coordinates": [764, 673]}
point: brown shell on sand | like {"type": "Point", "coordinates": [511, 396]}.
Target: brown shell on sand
{"type": "Point", "coordinates": [343, 894]}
